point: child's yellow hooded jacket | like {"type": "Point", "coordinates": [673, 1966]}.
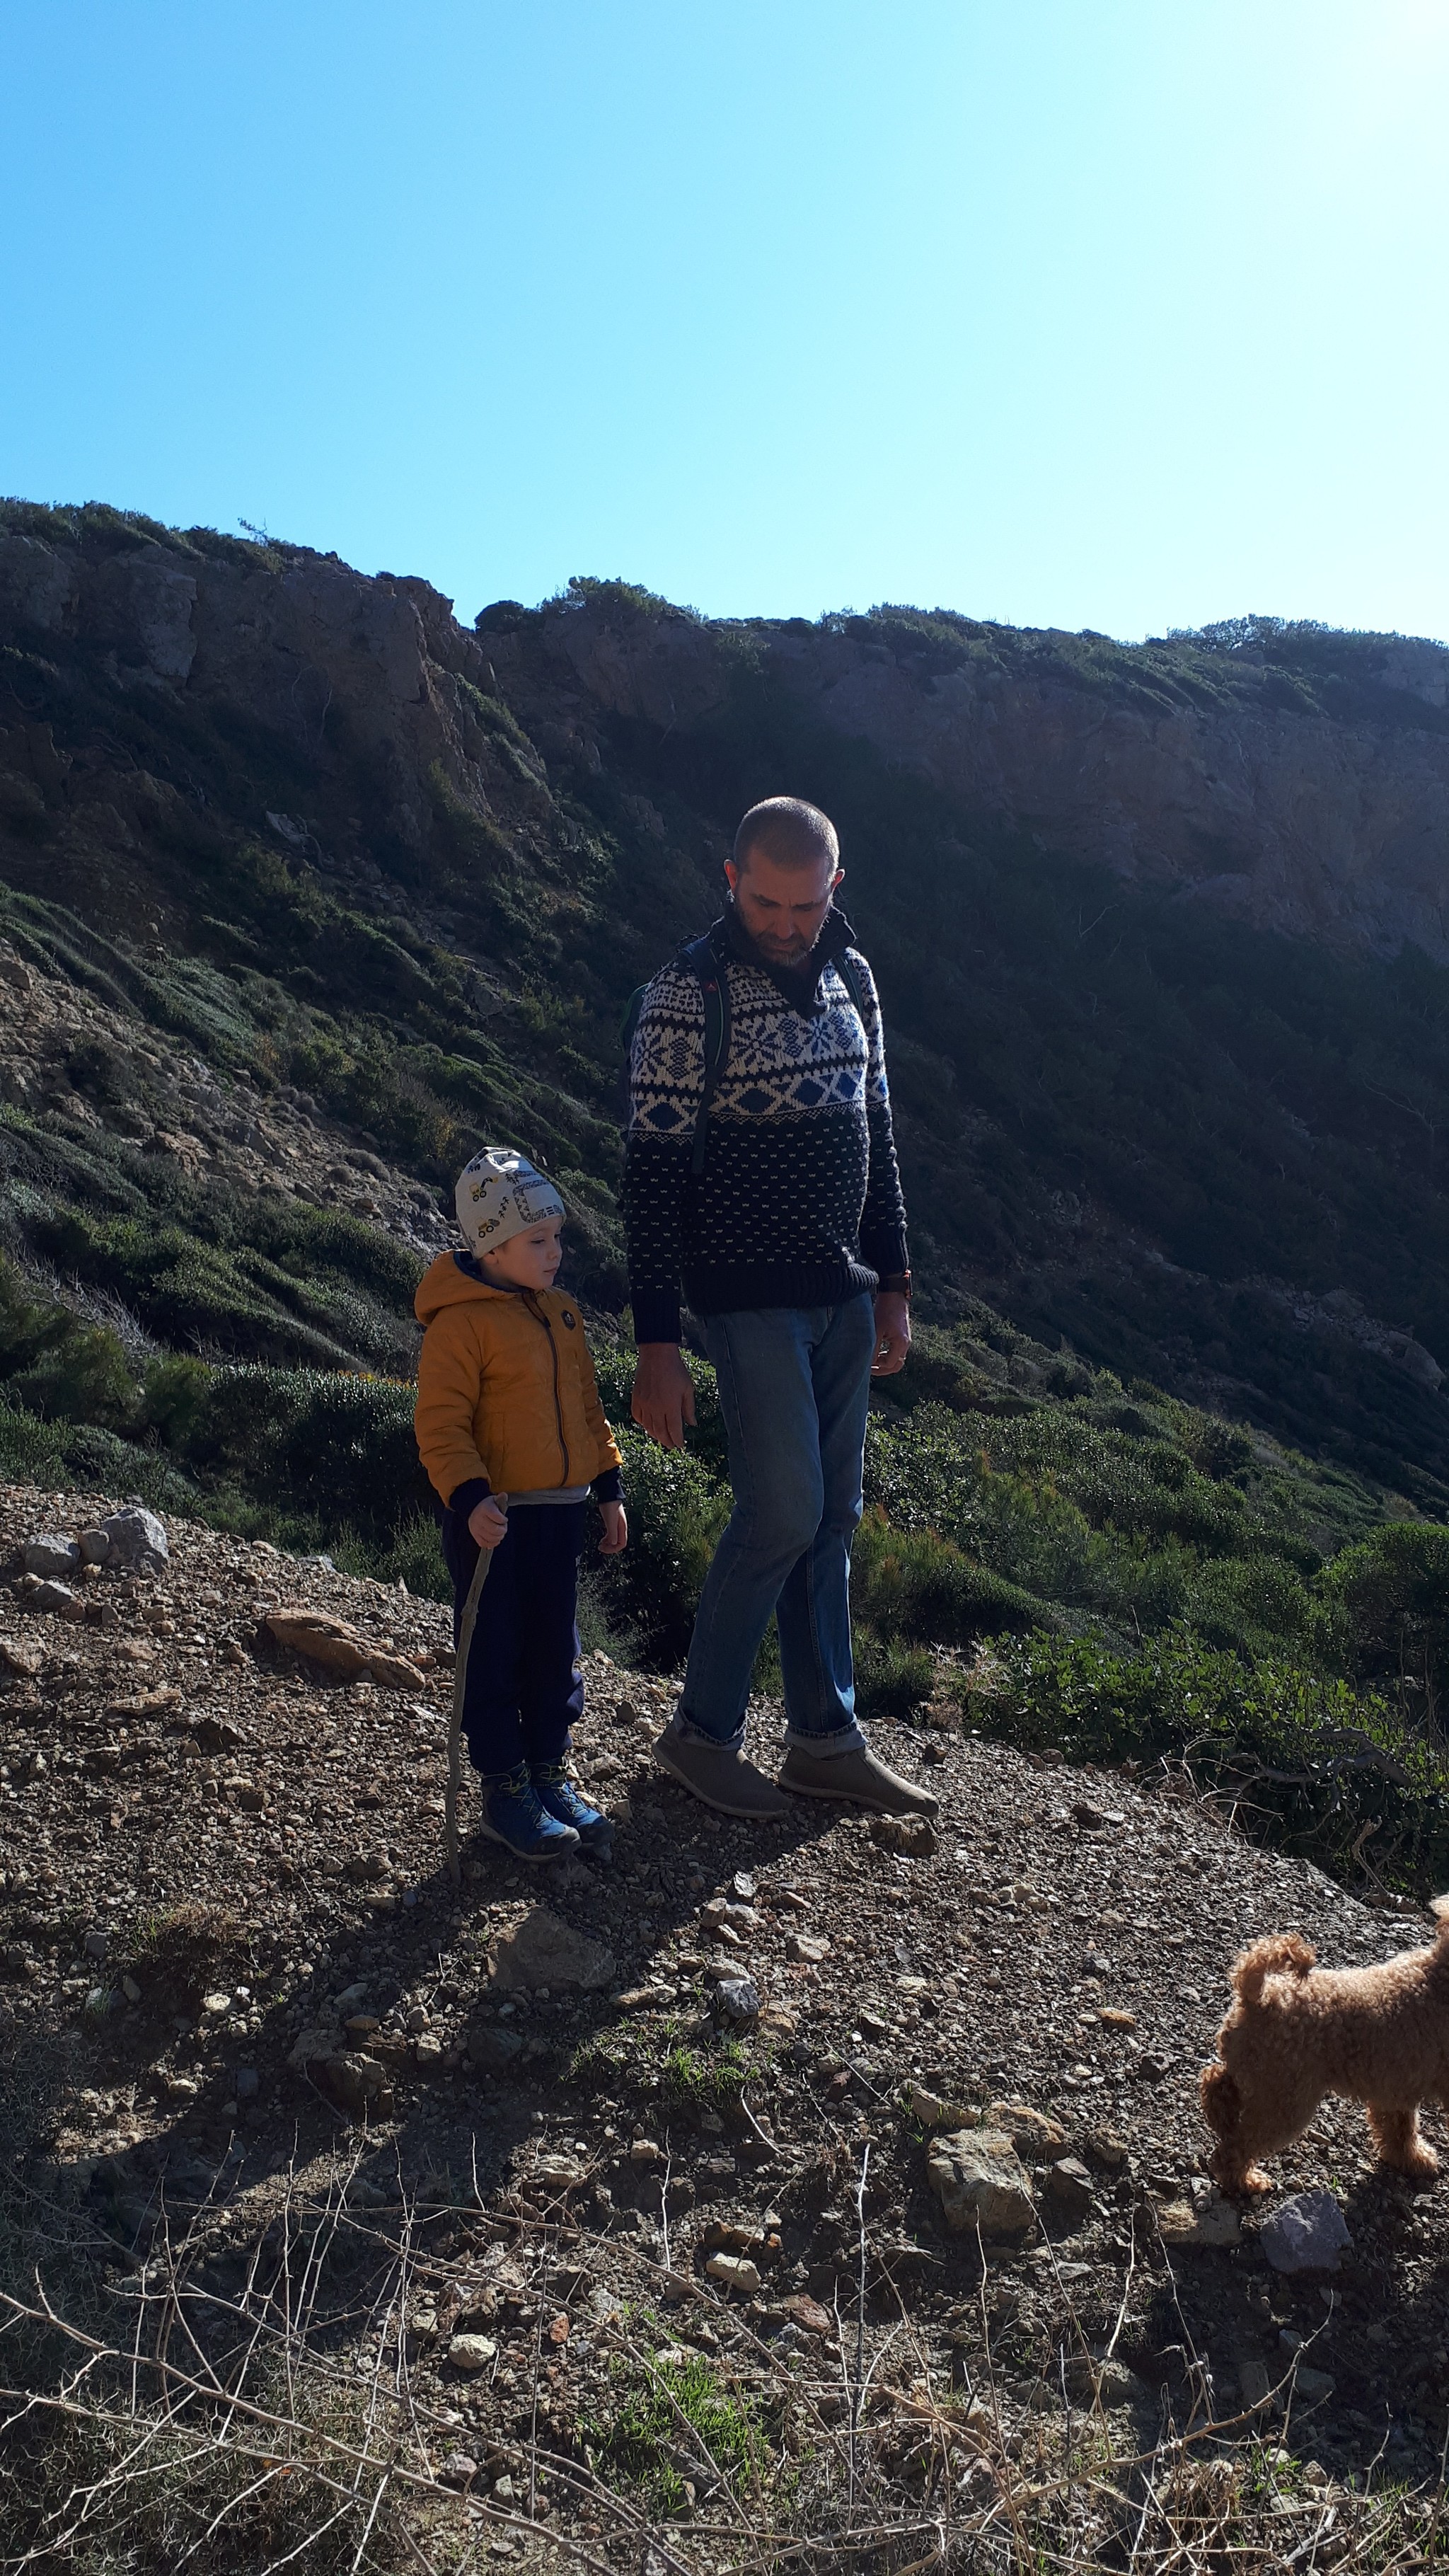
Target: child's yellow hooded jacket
{"type": "Point", "coordinates": [506, 1393]}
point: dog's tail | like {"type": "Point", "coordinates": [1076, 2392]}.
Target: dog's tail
{"type": "Point", "coordinates": [1439, 1908]}
{"type": "Point", "coordinates": [1282, 1953]}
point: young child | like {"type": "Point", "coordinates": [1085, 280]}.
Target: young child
{"type": "Point", "coordinates": [513, 1435]}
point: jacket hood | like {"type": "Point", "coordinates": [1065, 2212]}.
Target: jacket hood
{"type": "Point", "coordinates": [452, 1279]}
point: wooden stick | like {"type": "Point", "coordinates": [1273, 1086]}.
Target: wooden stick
{"type": "Point", "coordinates": [460, 1685]}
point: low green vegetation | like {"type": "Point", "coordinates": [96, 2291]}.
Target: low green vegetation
{"type": "Point", "coordinates": [674, 2427]}
{"type": "Point", "coordinates": [1045, 1555]}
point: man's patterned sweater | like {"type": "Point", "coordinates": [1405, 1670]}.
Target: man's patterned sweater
{"type": "Point", "coordinates": [799, 1202]}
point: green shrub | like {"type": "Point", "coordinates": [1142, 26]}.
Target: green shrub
{"type": "Point", "coordinates": [911, 1584]}
{"type": "Point", "coordinates": [1308, 1762]}
{"type": "Point", "coordinates": [1390, 1600]}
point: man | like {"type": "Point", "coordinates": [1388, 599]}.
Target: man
{"type": "Point", "coordinates": [789, 1239]}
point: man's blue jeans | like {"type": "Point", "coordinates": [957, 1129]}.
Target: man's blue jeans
{"type": "Point", "coordinates": [793, 1387]}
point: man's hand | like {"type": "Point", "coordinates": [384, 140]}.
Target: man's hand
{"type": "Point", "coordinates": [663, 1398]}
{"type": "Point", "coordinates": [615, 1535]}
{"type": "Point", "coordinates": [488, 1523]}
{"type": "Point", "coordinates": [892, 1333]}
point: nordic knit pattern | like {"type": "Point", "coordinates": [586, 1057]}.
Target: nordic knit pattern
{"type": "Point", "coordinates": [799, 1202]}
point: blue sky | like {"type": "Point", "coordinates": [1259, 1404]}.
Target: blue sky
{"type": "Point", "coordinates": [1112, 313]}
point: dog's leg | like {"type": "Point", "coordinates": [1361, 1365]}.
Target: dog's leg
{"type": "Point", "coordinates": [1249, 2127]}
{"type": "Point", "coordinates": [1399, 2140]}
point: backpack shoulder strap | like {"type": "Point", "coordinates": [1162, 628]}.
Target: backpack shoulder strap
{"type": "Point", "coordinates": [628, 1026]}
{"type": "Point", "coordinates": [701, 957]}
{"type": "Point", "coordinates": [850, 976]}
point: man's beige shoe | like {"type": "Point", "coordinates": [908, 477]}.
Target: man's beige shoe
{"type": "Point", "coordinates": [720, 1777]}
{"type": "Point", "coordinates": [856, 1776]}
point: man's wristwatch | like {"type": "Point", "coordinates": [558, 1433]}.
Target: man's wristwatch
{"type": "Point", "coordinates": [896, 1284]}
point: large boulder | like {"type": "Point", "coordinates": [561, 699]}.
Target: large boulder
{"type": "Point", "coordinates": [981, 2184]}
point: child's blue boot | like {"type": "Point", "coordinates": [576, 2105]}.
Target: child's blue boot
{"type": "Point", "coordinates": [556, 1793]}
{"type": "Point", "coordinates": [514, 1815]}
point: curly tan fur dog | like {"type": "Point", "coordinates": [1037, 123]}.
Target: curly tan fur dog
{"type": "Point", "coordinates": [1296, 2031]}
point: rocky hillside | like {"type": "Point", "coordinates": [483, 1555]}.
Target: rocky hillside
{"type": "Point", "coordinates": [1156, 928]}
{"type": "Point", "coordinates": [648, 2190]}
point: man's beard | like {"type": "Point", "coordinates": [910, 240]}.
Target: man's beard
{"type": "Point", "coordinates": [781, 952]}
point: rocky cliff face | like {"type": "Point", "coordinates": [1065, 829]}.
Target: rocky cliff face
{"type": "Point", "coordinates": [1160, 931]}
{"type": "Point", "coordinates": [1323, 815]}
{"type": "Point", "coordinates": [1232, 773]}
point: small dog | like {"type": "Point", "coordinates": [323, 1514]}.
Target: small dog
{"type": "Point", "coordinates": [1297, 2031]}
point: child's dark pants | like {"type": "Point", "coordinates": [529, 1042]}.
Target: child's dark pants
{"type": "Point", "coordinates": [524, 1688]}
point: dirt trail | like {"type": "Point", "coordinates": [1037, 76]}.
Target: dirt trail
{"type": "Point", "coordinates": [217, 1856]}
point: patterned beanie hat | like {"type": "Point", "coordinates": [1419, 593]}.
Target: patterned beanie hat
{"type": "Point", "coordinates": [500, 1195]}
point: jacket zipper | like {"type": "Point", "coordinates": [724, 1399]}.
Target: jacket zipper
{"type": "Point", "coordinates": [557, 1396]}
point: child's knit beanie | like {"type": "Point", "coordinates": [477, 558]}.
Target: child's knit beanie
{"type": "Point", "coordinates": [501, 1194]}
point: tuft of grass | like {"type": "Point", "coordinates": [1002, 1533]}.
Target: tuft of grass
{"type": "Point", "coordinates": [672, 2422]}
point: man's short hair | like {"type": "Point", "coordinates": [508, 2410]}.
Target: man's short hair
{"type": "Point", "coordinates": [787, 830]}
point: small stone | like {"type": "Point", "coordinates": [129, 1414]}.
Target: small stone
{"type": "Point", "coordinates": [1307, 2234]}
{"type": "Point", "coordinates": [735, 2272]}
{"type": "Point", "coordinates": [59, 1600]}
{"type": "Point", "coordinates": [1110, 2383]}
{"type": "Point", "coordinates": [929, 2108]}
{"type": "Point", "coordinates": [472, 2352]}
{"type": "Point", "coordinates": [645, 2152]}
{"type": "Point", "coordinates": [1069, 2190]}
{"type": "Point", "coordinates": [130, 1990]}
{"type": "Point", "coordinates": [978, 2178]}
{"type": "Point", "coordinates": [459, 2469]}
{"type": "Point", "coordinates": [365, 1868]}
{"type": "Point", "coordinates": [356, 2082]}
{"type": "Point", "coordinates": [808, 2314]}
{"type": "Point", "coordinates": [1313, 2387]}
{"type": "Point", "coordinates": [214, 2005]}
{"type": "Point", "coordinates": [95, 1945]}
{"type": "Point", "coordinates": [427, 2048]}
{"type": "Point", "coordinates": [1034, 2134]}
{"type": "Point", "coordinates": [95, 1546]}
{"type": "Point", "coordinates": [51, 1554]}
{"type": "Point", "coordinates": [214, 1734]}
{"type": "Point", "coordinates": [247, 2083]}
{"type": "Point", "coordinates": [808, 1949]}
{"type": "Point", "coordinates": [491, 2047]}
{"type": "Point", "coordinates": [137, 1541]}
{"type": "Point", "coordinates": [744, 1886]}
{"type": "Point", "coordinates": [361, 2025]}
{"type": "Point", "coordinates": [543, 1950]}
{"type": "Point", "coordinates": [1108, 2150]}
{"type": "Point", "coordinates": [1113, 2017]}
{"type": "Point", "coordinates": [737, 2002]}
{"type": "Point", "coordinates": [562, 2173]}
{"type": "Point", "coordinates": [914, 1835]}
{"type": "Point", "coordinates": [1211, 2221]}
